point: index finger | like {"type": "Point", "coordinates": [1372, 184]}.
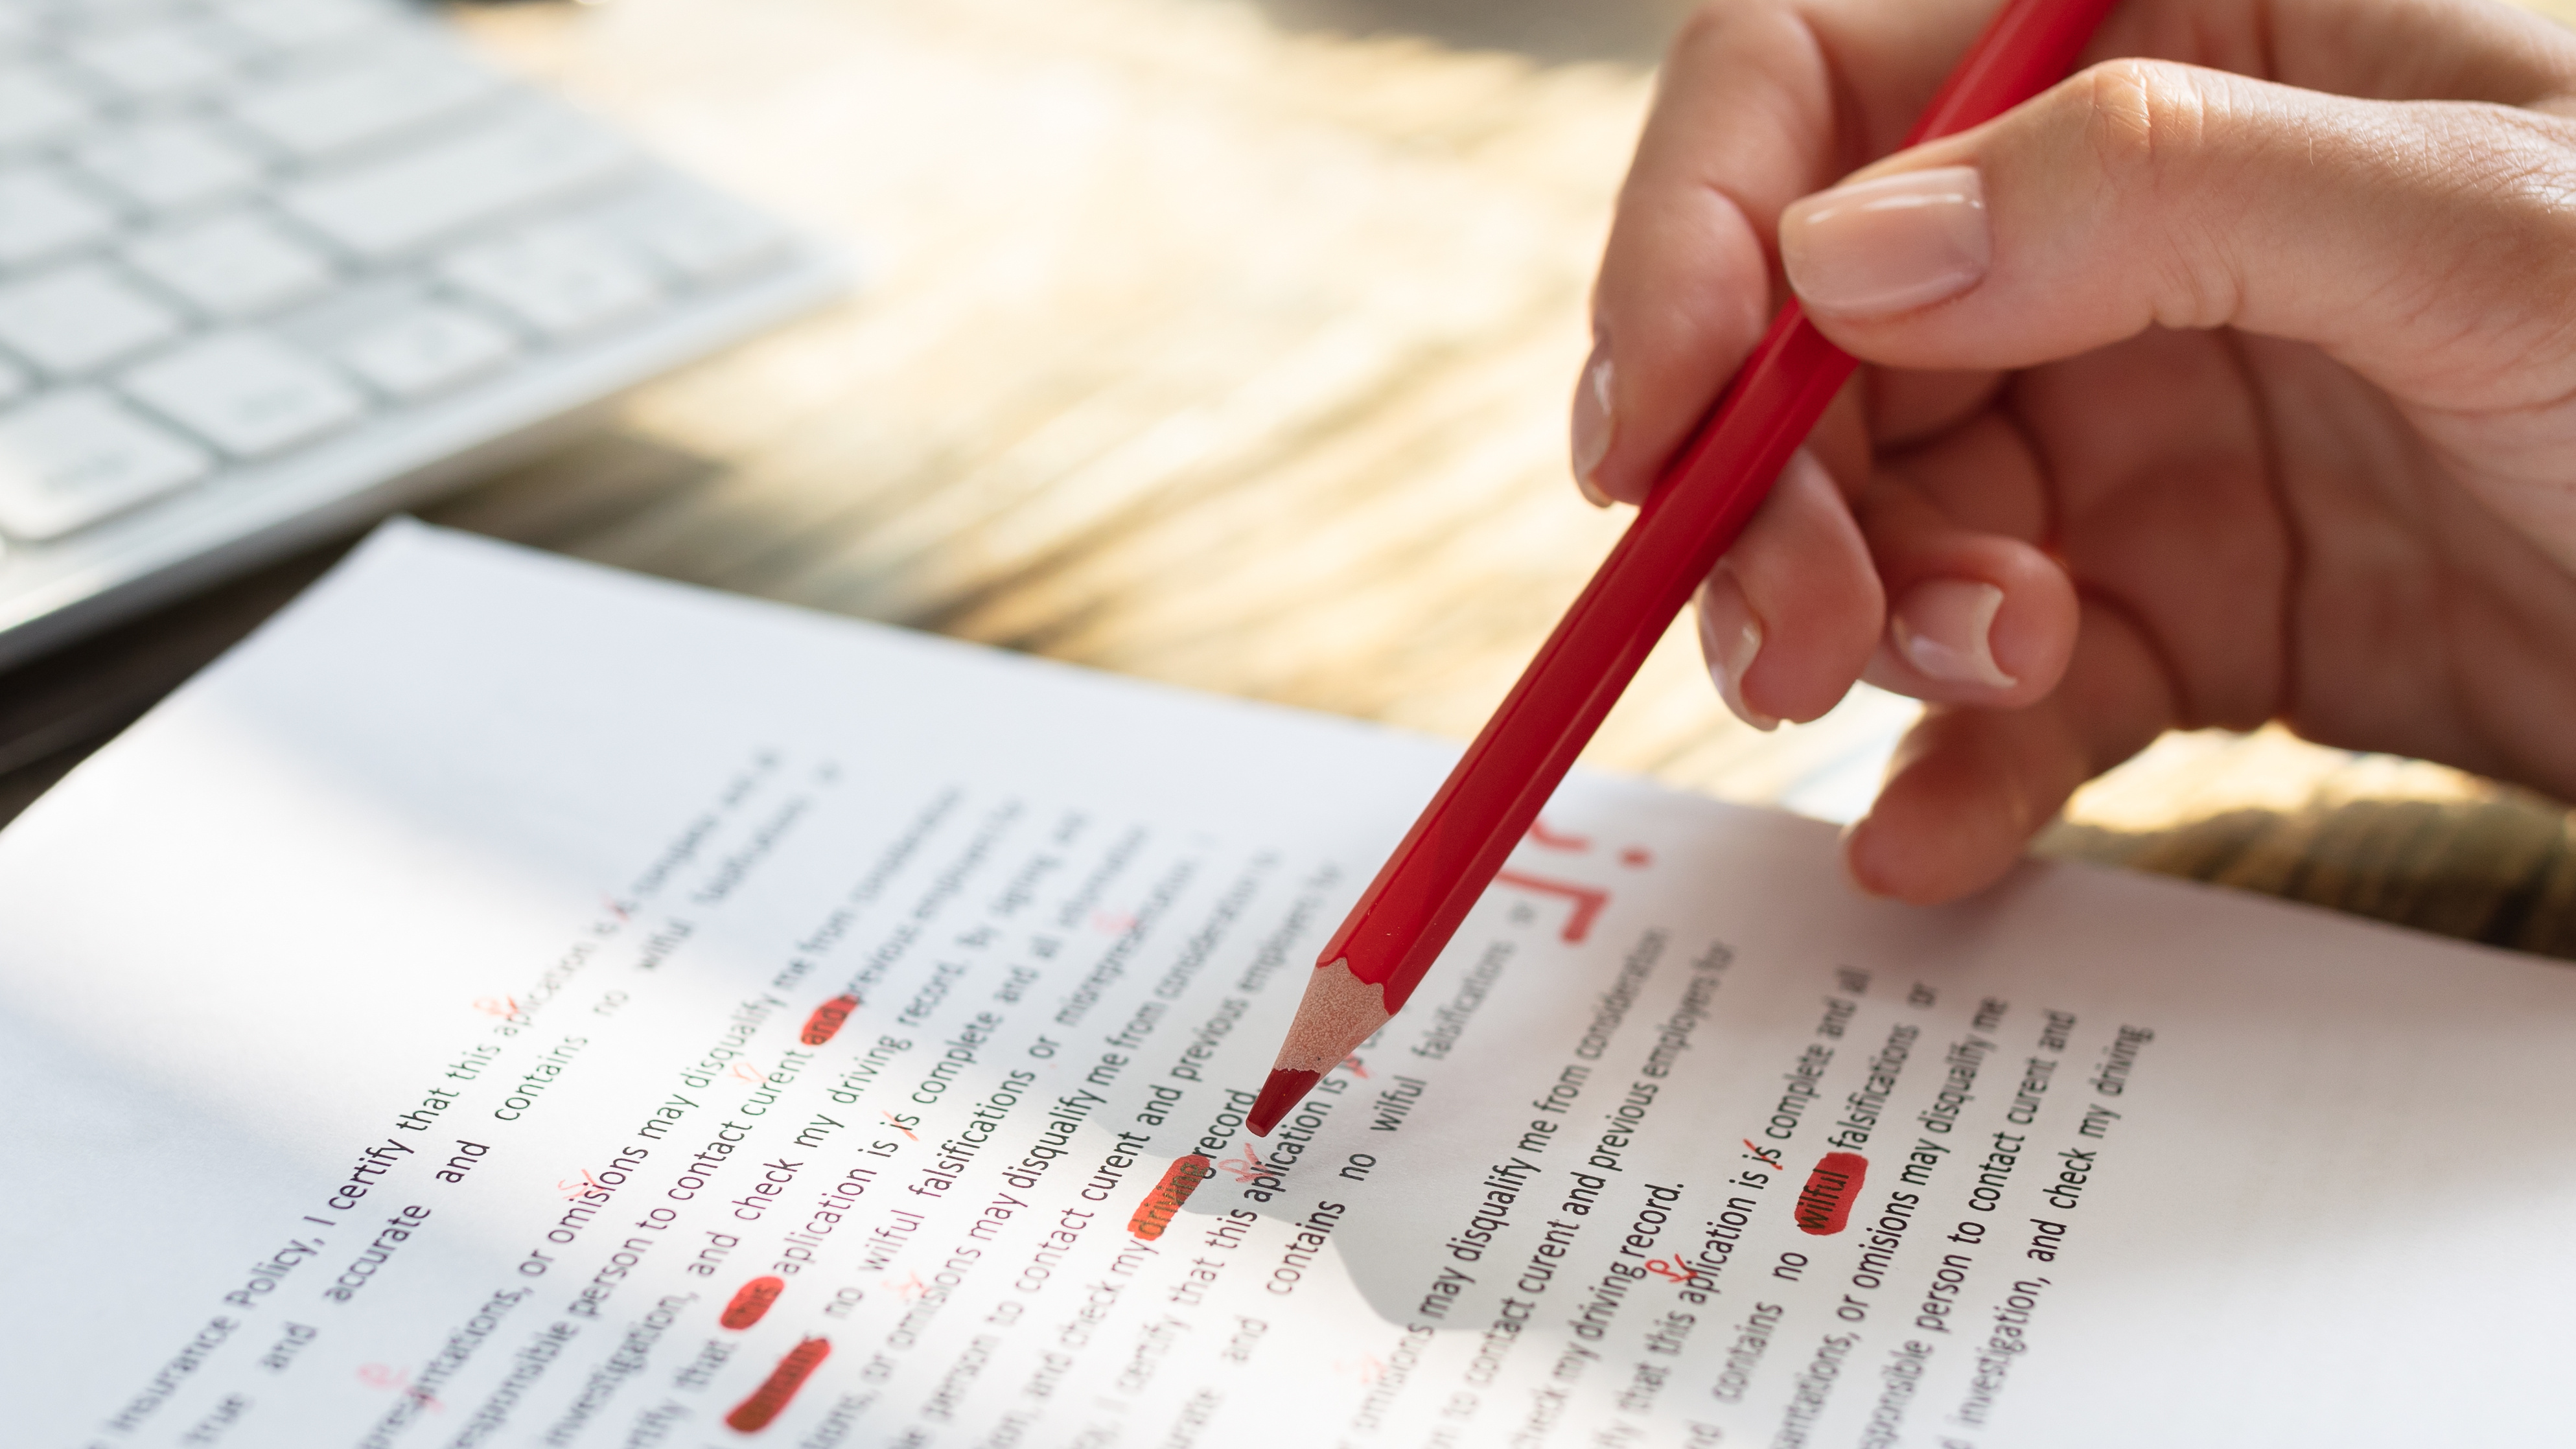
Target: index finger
{"type": "Point", "coordinates": [1761, 102]}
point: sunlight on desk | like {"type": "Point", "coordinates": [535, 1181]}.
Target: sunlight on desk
{"type": "Point", "coordinates": [1233, 355]}
{"type": "Point", "coordinates": [1202, 342]}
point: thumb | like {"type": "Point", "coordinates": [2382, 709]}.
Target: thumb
{"type": "Point", "coordinates": [2414, 241]}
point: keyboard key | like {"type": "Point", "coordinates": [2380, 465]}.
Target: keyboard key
{"type": "Point", "coordinates": [233, 267]}
{"type": "Point", "coordinates": [428, 351]}
{"type": "Point", "coordinates": [43, 215]}
{"type": "Point", "coordinates": [165, 165]}
{"type": "Point", "coordinates": [702, 238]}
{"type": "Point", "coordinates": [397, 206]}
{"type": "Point", "coordinates": [303, 24]}
{"type": "Point", "coordinates": [252, 396]}
{"type": "Point", "coordinates": [76, 457]}
{"type": "Point", "coordinates": [37, 105]}
{"type": "Point", "coordinates": [331, 111]}
{"type": "Point", "coordinates": [97, 14]}
{"type": "Point", "coordinates": [562, 282]}
{"type": "Point", "coordinates": [77, 318]}
{"type": "Point", "coordinates": [151, 61]}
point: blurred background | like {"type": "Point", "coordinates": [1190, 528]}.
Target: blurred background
{"type": "Point", "coordinates": [1228, 343]}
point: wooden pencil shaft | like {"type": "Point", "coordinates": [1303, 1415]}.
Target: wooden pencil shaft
{"type": "Point", "coordinates": [1696, 512]}
{"type": "Point", "coordinates": [1434, 877]}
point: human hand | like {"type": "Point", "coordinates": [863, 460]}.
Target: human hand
{"type": "Point", "coordinates": [2232, 383]}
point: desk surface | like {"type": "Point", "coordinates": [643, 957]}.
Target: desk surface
{"type": "Point", "coordinates": [1227, 344]}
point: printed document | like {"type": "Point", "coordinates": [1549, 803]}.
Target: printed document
{"type": "Point", "coordinates": [511, 1003]}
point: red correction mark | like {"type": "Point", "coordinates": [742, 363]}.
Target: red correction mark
{"type": "Point", "coordinates": [1587, 900]}
{"type": "Point", "coordinates": [1539, 834]}
{"type": "Point", "coordinates": [1179, 1180]}
{"type": "Point", "coordinates": [1825, 1203]}
{"type": "Point", "coordinates": [753, 1414]}
{"type": "Point", "coordinates": [1674, 1267]}
{"type": "Point", "coordinates": [752, 1300]}
{"type": "Point", "coordinates": [385, 1376]}
{"type": "Point", "coordinates": [826, 1021]}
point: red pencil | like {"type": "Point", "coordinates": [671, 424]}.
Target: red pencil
{"type": "Point", "coordinates": [1489, 801]}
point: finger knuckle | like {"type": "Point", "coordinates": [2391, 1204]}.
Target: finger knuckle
{"type": "Point", "coordinates": [2146, 129]}
{"type": "Point", "coordinates": [2140, 118]}
{"type": "Point", "coordinates": [2527, 163]}
{"type": "Point", "coordinates": [2506, 179]}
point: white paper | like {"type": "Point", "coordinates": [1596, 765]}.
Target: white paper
{"type": "Point", "coordinates": [405, 1027]}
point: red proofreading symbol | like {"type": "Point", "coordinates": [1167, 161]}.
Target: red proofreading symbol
{"type": "Point", "coordinates": [1588, 900]}
{"type": "Point", "coordinates": [1247, 1167]}
{"type": "Point", "coordinates": [385, 1376]}
{"type": "Point", "coordinates": [826, 1021]}
{"type": "Point", "coordinates": [751, 1301]}
{"type": "Point", "coordinates": [753, 1414]}
{"type": "Point", "coordinates": [500, 1006]}
{"type": "Point", "coordinates": [1825, 1203]}
{"type": "Point", "coordinates": [1539, 834]}
{"type": "Point", "coordinates": [1635, 857]}
{"type": "Point", "coordinates": [1673, 1268]}
{"type": "Point", "coordinates": [1180, 1179]}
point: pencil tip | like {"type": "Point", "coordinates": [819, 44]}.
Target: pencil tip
{"type": "Point", "coordinates": [1279, 1096]}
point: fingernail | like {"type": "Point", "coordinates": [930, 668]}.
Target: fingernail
{"type": "Point", "coordinates": [1860, 859]}
{"type": "Point", "coordinates": [1592, 421]}
{"type": "Point", "coordinates": [1946, 629]}
{"type": "Point", "coordinates": [1888, 245]}
{"type": "Point", "coordinates": [1729, 639]}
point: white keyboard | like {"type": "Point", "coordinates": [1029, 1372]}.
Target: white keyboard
{"type": "Point", "coordinates": [271, 267]}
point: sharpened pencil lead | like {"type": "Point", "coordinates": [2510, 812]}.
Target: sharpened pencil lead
{"type": "Point", "coordinates": [1279, 1097]}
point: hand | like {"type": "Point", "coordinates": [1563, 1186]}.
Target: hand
{"type": "Point", "coordinates": [2229, 384]}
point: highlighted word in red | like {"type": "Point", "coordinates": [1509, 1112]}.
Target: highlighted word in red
{"type": "Point", "coordinates": [1161, 1205]}
{"type": "Point", "coordinates": [1825, 1203]}
{"type": "Point", "coordinates": [751, 1302]}
{"type": "Point", "coordinates": [766, 1402]}
{"type": "Point", "coordinates": [826, 1021]}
